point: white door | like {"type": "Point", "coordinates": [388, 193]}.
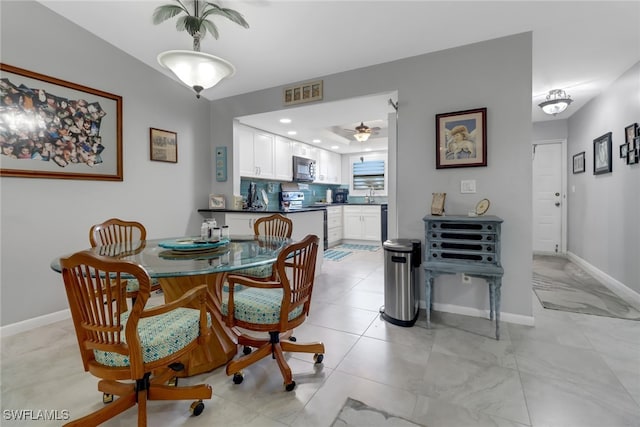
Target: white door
{"type": "Point", "coordinates": [548, 198]}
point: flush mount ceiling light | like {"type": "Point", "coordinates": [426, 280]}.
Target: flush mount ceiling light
{"type": "Point", "coordinates": [556, 102]}
{"type": "Point", "coordinates": [197, 70]}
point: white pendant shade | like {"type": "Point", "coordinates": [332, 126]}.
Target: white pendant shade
{"type": "Point", "coordinates": [196, 69]}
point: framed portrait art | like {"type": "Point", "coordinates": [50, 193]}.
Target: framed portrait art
{"type": "Point", "coordinates": [602, 154]}
{"type": "Point", "coordinates": [164, 145]}
{"type": "Point", "coordinates": [461, 139]}
{"type": "Point", "coordinates": [578, 163]}
{"type": "Point", "coordinates": [52, 128]}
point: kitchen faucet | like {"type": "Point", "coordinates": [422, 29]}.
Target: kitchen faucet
{"type": "Point", "coordinates": [369, 197]}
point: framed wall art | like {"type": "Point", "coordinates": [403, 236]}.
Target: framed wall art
{"type": "Point", "coordinates": [633, 155]}
{"type": "Point", "coordinates": [216, 201]}
{"type": "Point", "coordinates": [461, 139]}
{"type": "Point", "coordinates": [221, 164]}
{"type": "Point", "coordinates": [578, 163]}
{"type": "Point", "coordinates": [52, 128]}
{"type": "Point", "coordinates": [437, 203]}
{"type": "Point", "coordinates": [306, 92]}
{"type": "Point", "coordinates": [602, 154]}
{"type": "Point", "coordinates": [630, 132]}
{"type": "Point", "coordinates": [624, 149]}
{"type": "Point", "coordinates": [163, 145]}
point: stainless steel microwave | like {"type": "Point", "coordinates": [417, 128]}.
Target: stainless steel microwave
{"type": "Point", "coordinates": [304, 170]}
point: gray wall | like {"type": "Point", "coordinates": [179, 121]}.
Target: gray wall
{"type": "Point", "coordinates": [45, 218]}
{"type": "Point", "coordinates": [604, 210]}
{"type": "Point", "coordinates": [550, 130]}
{"type": "Point", "coordinates": [457, 79]}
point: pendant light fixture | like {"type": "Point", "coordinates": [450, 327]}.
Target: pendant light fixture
{"type": "Point", "coordinates": [195, 69]}
{"type": "Point", "coordinates": [556, 102]}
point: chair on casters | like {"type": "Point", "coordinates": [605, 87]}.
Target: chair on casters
{"type": "Point", "coordinates": [276, 306]}
{"type": "Point", "coordinates": [115, 230]}
{"type": "Point", "coordinates": [135, 353]}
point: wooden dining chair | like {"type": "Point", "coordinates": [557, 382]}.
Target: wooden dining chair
{"type": "Point", "coordinates": [135, 353]}
{"type": "Point", "coordinates": [115, 230]}
{"type": "Point", "coordinates": [273, 306]}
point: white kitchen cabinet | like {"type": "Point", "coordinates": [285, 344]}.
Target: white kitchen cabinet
{"type": "Point", "coordinates": [362, 222]}
{"type": "Point", "coordinates": [304, 150]}
{"type": "Point", "coordinates": [334, 225]}
{"type": "Point", "coordinates": [257, 153]}
{"type": "Point", "coordinates": [283, 162]}
{"type": "Point", "coordinates": [242, 223]}
{"type": "Point", "coordinates": [329, 167]}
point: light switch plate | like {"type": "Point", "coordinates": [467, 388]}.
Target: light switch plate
{"type": "Point", "coordinates": [468, 186]}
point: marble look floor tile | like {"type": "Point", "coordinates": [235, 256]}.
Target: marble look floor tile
{"type": "Point", "coordinates": [560, 329]}
{"type": "Point", "coordinates": [397, 365]}
{"type": "Point", "coordinates": [326, 404]}
{"type": "Point", "coordinates": [341, 318]}
{"type": "Point", "coordinates": [374, 282]}
{"type": "Point", "coordinates": [440, 413]}
{"type": "Point", "coordinates": [329, 287]}
{"type": "Point", "coordinates": [482, 327]}
{"type": "Point", "coordinates": [336, 343]}
{"type": "Point", "coordinates": [627, 370]}
{"type": "Point", "coordinates": [418, 337]}
{"type": "Point", "coordinates": [474, 347]}
{"type": "Point", "coordinates": [564, 363]}
{"type": "Point", "coordinates": [490, 389]}
{"type": "Point", "coordinates": [557, 403]}
{"type": "Point", "coordinates": [360, 299]}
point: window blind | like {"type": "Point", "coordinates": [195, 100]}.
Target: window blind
{"type": "Point", "coordinates": [368, 174]}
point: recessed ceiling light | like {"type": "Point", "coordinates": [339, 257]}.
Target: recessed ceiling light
{"type": "Point", "coordinates": [317, 141]}
{"type": "Point", "coordinates": [285, 120]}
{"type": "Point", "coordinates": [292, 132]}
{"type": "Point", "coordinates": [335, 147]}
{"type": "Point", "coordinates": [367, 149]}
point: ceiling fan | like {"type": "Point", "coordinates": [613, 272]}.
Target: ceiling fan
{"type": "Point", "coordinates": [363, 132]}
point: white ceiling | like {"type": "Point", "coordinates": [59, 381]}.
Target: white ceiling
{"type": "Point", "coordinates": [579, 46]}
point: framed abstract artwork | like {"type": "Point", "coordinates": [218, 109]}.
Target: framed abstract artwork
{"type": "Point", "coordinates": [602, 154]}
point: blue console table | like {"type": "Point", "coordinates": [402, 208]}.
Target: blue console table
{"type": "Point", "coordinates": [464, 244]}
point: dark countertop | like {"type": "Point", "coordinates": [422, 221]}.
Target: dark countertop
{"type": "Point", "coordinates": [317, 207]}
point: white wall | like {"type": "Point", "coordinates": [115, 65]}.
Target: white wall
{"type": "Point", "coordinates": [45, 218]}
{"type": "Point", "coordinates": [457, 79]}
{"type": "Point", "coordinates": [604, 210]}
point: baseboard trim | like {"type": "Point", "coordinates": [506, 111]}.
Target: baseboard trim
{"type": "Point", "coordinates": [518, 319]}
{"type": "Point", "coordinates": [36, 322]}
{"type": "Point", "coordinates": [619, 288]}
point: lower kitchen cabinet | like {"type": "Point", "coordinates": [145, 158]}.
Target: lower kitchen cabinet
{"type": "Point", "coordinates": [361, 222]}
{"type": "Point", "coordinates": [334, 225]}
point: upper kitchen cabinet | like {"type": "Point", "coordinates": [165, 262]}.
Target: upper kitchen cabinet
{"type": "Point", "coordinates": [283, 159]}
{"type": "Point", "coordinates": [257, 153]}
{"type": "Point", "coordinates": [303, 150]}
{"type": "Point", "coordinates": [329, 167]}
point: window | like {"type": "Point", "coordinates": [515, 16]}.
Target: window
{"type": "Point", "coordinates": [368, 172]}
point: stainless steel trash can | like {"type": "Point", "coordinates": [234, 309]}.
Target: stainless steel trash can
{"type": "Point", "coordinates": [402, 257]}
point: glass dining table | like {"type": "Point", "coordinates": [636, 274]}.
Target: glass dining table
{"type": "Point", "coordinates": [179, 264]}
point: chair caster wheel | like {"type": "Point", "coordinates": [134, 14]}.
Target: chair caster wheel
{"type": "Point", "coordinates": [107, 398]}
{"type": "Point", "coordinates": [318, 358]}
{"type": "Point", "coordinates": [173, 382]}
{"type": "Point", "coordinates": [197, 408]}
{"type": "Point", "coordinates": [238, 378]}
{"type": "Point", "coordinates": [293, 339]}
{"type": "Point", "coordinates": [246, 350]}
{"type": "Point", "coordinates": [290, 386]}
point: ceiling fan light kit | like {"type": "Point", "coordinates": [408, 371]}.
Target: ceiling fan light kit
{"type": "Point", "coordinates": [556, 102]}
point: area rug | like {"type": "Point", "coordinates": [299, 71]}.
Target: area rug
{"type": "Point", "coordinates": [561, 285]}
{"type": "Point", "coordinates": [356, 413]}
{"type": "Point", "coordinates": [355, 247]}
{"type": "Point", "coordinates": [336, 255]}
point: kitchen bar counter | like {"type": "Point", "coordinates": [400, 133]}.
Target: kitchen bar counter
{"type": "Point", "coordinates": [310, 208]}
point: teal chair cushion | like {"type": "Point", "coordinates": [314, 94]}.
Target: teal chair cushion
{"type": "Point", "coordinates": [160, 336]}
{"type": "Point", "coordinates": [257, 305]}
{"type": "Point", "coordinates": [134, 286]}
{"type": "Point", "coordinates": [259, 272]}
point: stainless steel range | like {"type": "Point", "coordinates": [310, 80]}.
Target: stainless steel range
{"type": "Point", "coordinates": [291, 200]}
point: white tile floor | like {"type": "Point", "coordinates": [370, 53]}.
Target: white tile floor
{"type": "Point", "coordinates": [570, 370]}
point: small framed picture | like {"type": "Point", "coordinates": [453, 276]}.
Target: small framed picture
{"type": "Point", "coordinates": [624, 149]}
{"type": "Point", "coordinates": [216, 201]}
{"type": "Point", "coordinates": [602, 154]}
{"type": "Point", "coordinates": [630, 132]}
{"type": "Point", "coordinates": [437, 203]}
{"type": "Point", "coordinates": [163, 145]}
{"type": "Point", "coordinates": [578, 163]}
{"type": "Point", "coordinates": [633, 155]}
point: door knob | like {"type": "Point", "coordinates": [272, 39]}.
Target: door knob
{"type": "Point", "coordinates": [557, 203]}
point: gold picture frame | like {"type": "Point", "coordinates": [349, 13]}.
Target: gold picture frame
{"type": "Point", "coordinates": [305, 92]}
{"type": "Point", "coordinates": [437, 203]}
{"type": "Point", "coordinates": [163, 145]}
